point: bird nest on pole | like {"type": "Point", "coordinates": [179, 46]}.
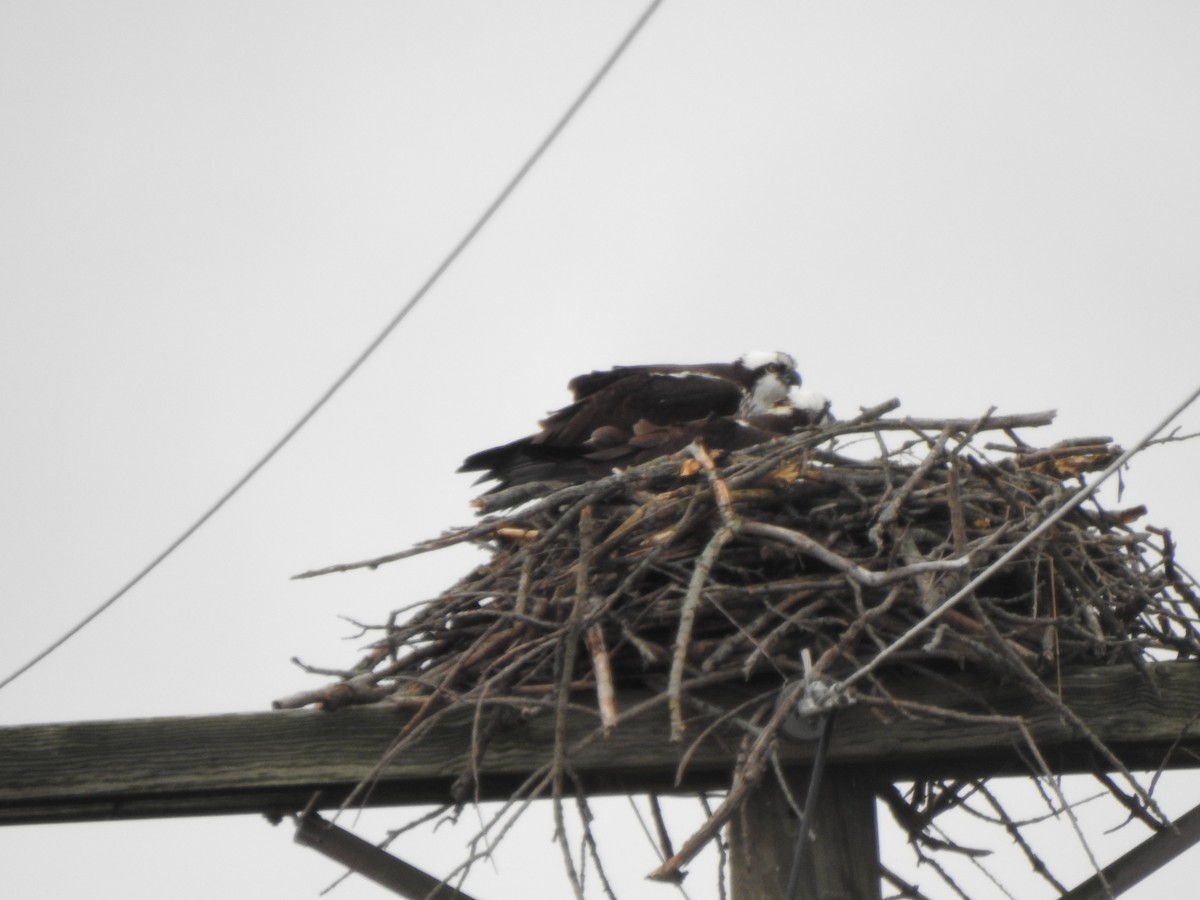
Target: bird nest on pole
{"type": "Point", "coordinates": [823, 557]}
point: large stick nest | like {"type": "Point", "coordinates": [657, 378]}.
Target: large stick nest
{"type": "Point", "coordinates": [832, 542]}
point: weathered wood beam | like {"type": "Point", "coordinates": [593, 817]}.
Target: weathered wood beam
{"type": "Point", "coordinates": [842, 857]}
{"type": "Point", "coordinates": [273, 762]}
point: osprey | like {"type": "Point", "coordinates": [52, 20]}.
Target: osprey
{"type": "Point", "coordinates": [631, 414]}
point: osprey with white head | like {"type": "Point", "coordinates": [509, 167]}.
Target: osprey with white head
{"type": "Point", "coordinates": [630, 414]}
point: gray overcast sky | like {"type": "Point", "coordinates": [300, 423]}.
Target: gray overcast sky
{"type": "Point", "coordinates": [207, 209]}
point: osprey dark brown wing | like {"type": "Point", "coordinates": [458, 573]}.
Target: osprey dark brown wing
{"type": "Point", "coordinates": [660, 398]}
{"type": "Point", "coordinates": [584, 385]}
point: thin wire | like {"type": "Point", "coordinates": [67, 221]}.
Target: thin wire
{"type": "Point", "coordinates": [651, 841]}
{"type": "Point", "coordinates": [371, 348]}
{"type": "Point", "coordinates": [810, 805]}
{"type": "Point", "coordinates": [1016, 548]}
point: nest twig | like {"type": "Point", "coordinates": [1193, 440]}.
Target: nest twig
{"type": "Point", "coordinates": [684, 571]}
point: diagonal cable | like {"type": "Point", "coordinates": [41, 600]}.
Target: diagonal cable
{"type": "Point", "coordinates": [792, 891]}
{"type": "Point", "coordinates": [1075, 500]}
{"type": "Point", "coordinates": [416, 298]}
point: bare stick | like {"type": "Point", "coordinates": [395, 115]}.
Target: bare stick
{"type": "Point", "coordinates": [719, 488]}
{"type": "Point", "coordinates": [687, 615]}
{"type": "Point", "coordinates": [606, 695]}
{"type": "Point", "coordinates": [865, 577]}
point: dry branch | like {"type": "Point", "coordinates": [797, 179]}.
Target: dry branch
{"type": "Point", "coordinates": [701, 570]}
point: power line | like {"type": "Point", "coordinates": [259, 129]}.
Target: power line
{"type": "Point", "coordinates": [416, 298]}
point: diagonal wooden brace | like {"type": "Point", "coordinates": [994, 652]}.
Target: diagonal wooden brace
{"type": "Point", "coordinates": [370, 861]}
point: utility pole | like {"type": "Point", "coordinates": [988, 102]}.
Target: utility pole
{"type": "Point", "coordinates": [841, 858]}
